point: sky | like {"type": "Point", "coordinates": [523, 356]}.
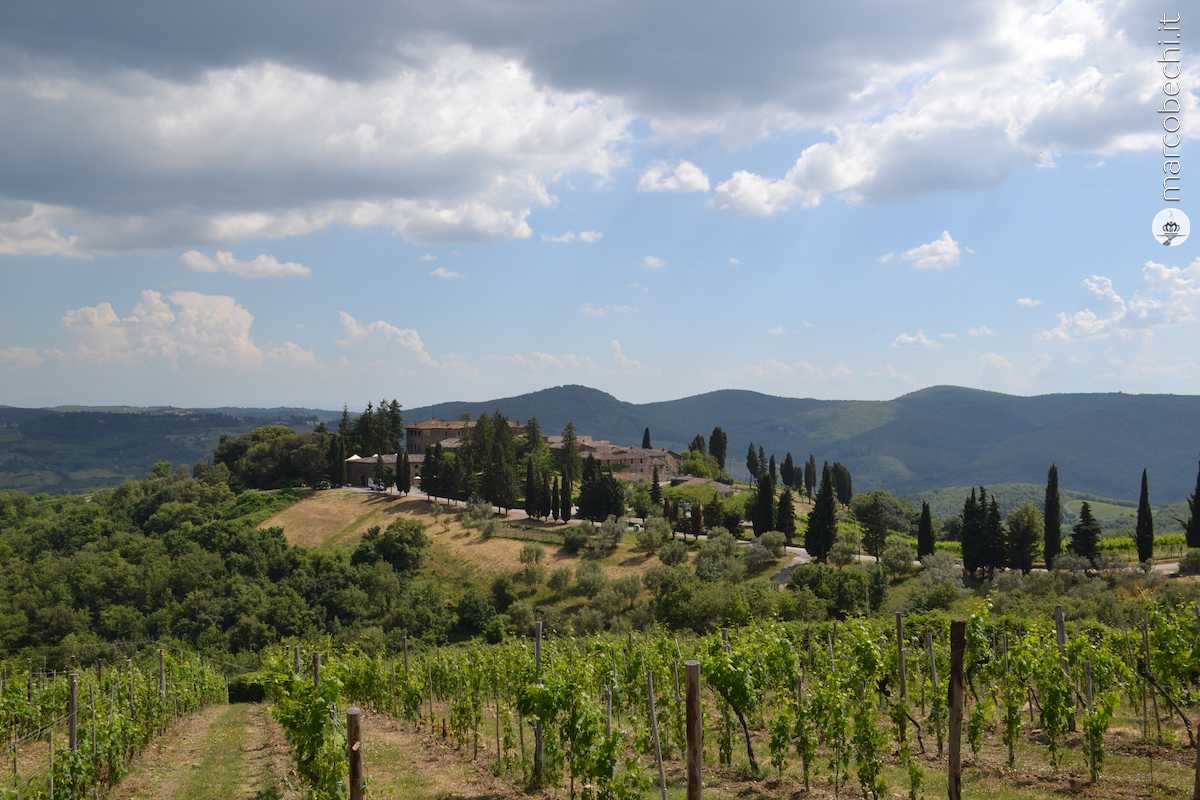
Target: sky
{"type": "Point", "coordinates": [286, 203]}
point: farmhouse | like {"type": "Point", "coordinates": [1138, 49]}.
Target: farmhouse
{"type": "Point", "coordinates": [625, 461]}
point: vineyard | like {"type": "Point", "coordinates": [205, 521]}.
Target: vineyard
{"type": "Point", "coordinates": [73, 735]}
{"type": "Point", "coordinates": [854, 708]}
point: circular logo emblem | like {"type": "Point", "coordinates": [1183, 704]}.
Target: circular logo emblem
{"type": "Point", "coordinates": [1171, 227]}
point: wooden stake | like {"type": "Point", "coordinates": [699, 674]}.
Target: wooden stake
{"type": "Point", "coordinates": [1150, 671]}
{"type": "Point", "coordinates": [73, 713]}
{"type": "Point", "coordinates": [662, 775]}
{"type": "Point", "coordinates": [354, 752]}
{"type": "Point", "coordinates": [958, 642]}
{"type": "Point", "coordinates": [1060, 634]}
{"type": "Point", "coordinates": [316, 669]}
{"type": "Point", "coordinates": [902, 674]}
{"type": "Point", "coordinates": [537, 723]}
{"type": "Point", "coordinates": [695, 732]}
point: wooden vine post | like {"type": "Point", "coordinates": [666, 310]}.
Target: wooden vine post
{"type": "Point", "coordinates": [1060, 634]}
{"type": "Point", "coordinates": [354, 751]}
{"type": "Point", "coordinates": [73, 713]}
{"type": "Point", "coordinates": [662, 775]}
{"type": "Point", "coordinates": [316, 669]}
{"type": "Point", "coordinates": [537, 723]}
{"type": "Point", "coordinates": [958, 644]}
{"type": "Point", "coordinates": [902, 674]}
{"type": "Point", "coordinates": [1146, 679]}
{"type": "Point", "coordinates": [695, 732]}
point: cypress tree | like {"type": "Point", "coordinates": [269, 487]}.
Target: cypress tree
{"type": "Point", "coordinates": [763, 518]}
{"type": "Point", "coordinates": [762, 459]}
{"type": "Point", "coordinates": [554, 501]}
{"type": "Point", "coordinates": [404, 474]}
{"type": "Point", "coordinates": [1086, 534]}
{"type": "Point", "coordinates": [544, 498]}
{"type": "Point", "coordinates": [970, 534]}
{"type": "Point", "coordinates": [1144, 535]}
{"type": "Point", "coordinates": [564, 498]}
{"type": "Point", "coordinates": [752, 465]}
{"type": "Point", "coordinates": [697, 520]}
{"type": "Point", "coordinates": [1052, 511]}
{"type": "Point", "coordinates": [925, 532]}
{"type": "Point", "coordinates": [646, 439]}
{"type": "Point", "coordinates": [718, 444]}
{"type": "Point", "coordinates": [997, 557]}
{"type": "Point", "coordinates": [842, 483]}
{"type": "Point", "coordinates": [785, 515]}
{"type": "Point", "coordinates": [822, 520]}
{"type": "Point", "coordinates": [429, 471]}
{"type": "Point", "coordinates": [810, 475]}
{"type": "Point", "coordinates": [655, 488]}
{"type": "Point", "coordinates": [772, 470]}
{"type": "Point", "coordinates": [532, 506]}
{"type": "Point", "coordinates": [336, 460]}
{"type": "Point", "coordinates": [1192, 526]}
{"type": "Point", "coordinates": [787, 471]}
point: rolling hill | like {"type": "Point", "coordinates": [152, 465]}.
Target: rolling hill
{"type": "Point", "coordinates": [940, 436]}
{"type": "Point", "coordinates": [943, 436]}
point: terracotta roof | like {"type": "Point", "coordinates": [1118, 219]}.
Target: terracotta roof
{"type": "Point", "coordinates": [438, 424]}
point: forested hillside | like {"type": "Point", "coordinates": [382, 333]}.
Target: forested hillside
{"type": "Point", "coordinates": [941, 436]}
{"type": "Point", "coordinates": [75, 448]}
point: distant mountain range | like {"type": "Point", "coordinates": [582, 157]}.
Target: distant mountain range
{"type": "Point", "coordinates": [935, 437]}
{"type": "Point", "coordinates": [72, 448]}
{"type": "Point", "coordinates": [939, 437]}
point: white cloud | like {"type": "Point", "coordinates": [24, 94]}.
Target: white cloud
{"type": "Point", "coordinates": [1168, 296]}
{"type": "Point", "coordinates": [263, 266]}
{"type": "Point", "coordinates": [918, 338]}
{"type": "Point", "coordinates": [446, 274]}
{"type": "Point", "coordinates": [949, 335]}
{"type": "Point", "coordinates": [1028, 302]}
{"type": "Point", "coordinates": [980, 330]}
{"type": "Point", "coordinates": [571, 237]}
{"type": "Point", "coordinates": [457, 144]}
{"type": "Point", "coordinates": [428, 258]}
{"type": "Point", "coordinates": [182, 329]}
{"type": "Point", "coordinates": [942, 253]}
{"type": "Point", "coordinates": [683, 177]}
{"type": "Point", "coordinates": [623, 361]}
{"type": "Point", "coordinates": [747, 193]}
{"type": "Point", "coordinates": [653, 262]}
{"type": "Point", "coordinates": [1036, 82]}
{"type": "Point", "coordinates": [995, 361]}
{"type": "Point", "coordinates": [35, 233]}
{"type": "Point", "coordinates": [539, 361]}
{"type": "Point", "coordinates": [599, 312]}
{"type": "Point", "coordinates": [775, 331]}
{"type": "Point", "coordinates": [20, 357]}
{"type": "Point", "coordinates": [355, 334]}
{"type": "Point", "coordinates": [735, 262]}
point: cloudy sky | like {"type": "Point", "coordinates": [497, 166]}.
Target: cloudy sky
{"type": "Point", "coordinates": [285, 203]}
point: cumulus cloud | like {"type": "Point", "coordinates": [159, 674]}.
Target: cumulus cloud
{"type": "Point", "coordinates": [446, 274]}
{"type": "Point", "coordinates": [776, 330]}
{"type": "Point", "coordinates": [599, 312]}
{"type": "Point", "coordinates": [357, 334]}
{"type": "Point", "coordinates": [1168, 296]}
{"type": "Point", "coordinates": [262, 266]}
{"type": "Point", "coordinates": [538, 361]}
{"type": "Point", "coordinates": [683, 177]}
{"type": "Point", "coordinates": [910, 339]}
{"type": "Point", "coordinates": [20, 357]}
{"type": "Point", "coordinates": [653, 262]}
{"type": "Point", "coordinates": [428, 258]}
{"type": "Point", "coordinates": [623, 361]}
{"type": "Point", "coordinates": [31, 230]}
{"type": "Point", "coordinates": [571, 237]}
{"type": "Point", "coordinates": [942, 253]}
{"type": "Point", "coordinates": [1028, 302]}
{"type": "Point", "coordinates": [458, 144]}
{"type": "Point", "coordinates": [980, 330]}
{"type": "Point", "coordinates": [995, 361]}
{"type": "Point", "coordinates": [182, 329]}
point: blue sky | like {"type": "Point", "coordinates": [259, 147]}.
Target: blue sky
{"type": "Point", "coordinates": [480, 203]}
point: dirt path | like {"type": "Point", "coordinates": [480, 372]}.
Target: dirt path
{"type": "Point", "coordinates": [400, 763]}
{"type": "Point", "coordinates": [234, 751]}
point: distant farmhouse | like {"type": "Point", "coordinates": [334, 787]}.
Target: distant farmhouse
{"type": "Point", "coordinates": [627, 462]}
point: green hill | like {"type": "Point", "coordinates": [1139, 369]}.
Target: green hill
{"type": "Point", "coordinates": [60, 450]}
{"type": "Point", "coordinates": [941, 436]}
